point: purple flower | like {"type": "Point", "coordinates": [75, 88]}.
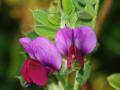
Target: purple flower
{"type": "Point", "coordinates": [75, 43]}
{"type": "Point", "coordinates": [43, 59]}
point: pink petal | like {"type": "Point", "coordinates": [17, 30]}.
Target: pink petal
{"type": "Point", "coordinates": [46, 53]}
{"type": "Point", "coordinates": [63, 40]}
{"type": "Point", "coordinates": [85, 39]}
{"type": "Point", "coordinates": [25, 42]}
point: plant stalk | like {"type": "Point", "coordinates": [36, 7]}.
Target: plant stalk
{"type": "Point", "coordinates": [76, 84]}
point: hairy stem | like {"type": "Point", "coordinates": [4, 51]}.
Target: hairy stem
{"type": "Point", "coordinates": [76, 84]}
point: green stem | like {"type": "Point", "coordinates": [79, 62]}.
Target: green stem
{"type": "Point", "coordinates": [66, 82]}
{"type": "Point", "coordinates": [96, 12]}
{"type": "Point", "coordinates": [76, 84]}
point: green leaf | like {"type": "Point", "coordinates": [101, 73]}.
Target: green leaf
{"type": "Point", "coordinates": [21, 80]}
{"type": "Point", "coordinates": [54, 6]}
{"type": "Point", "coordinates": [32, 35]}
{"type": "Point", "coordinates": [114, 81]}
{"type": "Point", "coordinates": [68, 6]}
{"type": "Point", "coordinates": [84, 74]}
{"type": "Point", "coordinates": [41, 18]}
{"type": "Point", "coordinates": [87, 70]}
{"type": "Point", "coordinates": [90, 10]}
{"type": "Point", "coordinates": [84, 15]}
{"type": "Point", "coordinates": [46, 24]}
{"type": "Point", "coordinates": [92, 2]}
{"type": "Point", "coordinates": [84, 2]}
{"type": "Point", "coordinates": [54, 19]}
{"type": "Point", "coordinates": [70, 20]}
{"type": "Point", "coordinates": [78, 6]}
{"type": "Point", "coordinates": [80, 23]}
{"type": "Point", "coordinates": [46, 32]}
{"type": "Point", "coordinates": [73, 19]}
{"type": "Point", "coordinates": [87, 13]}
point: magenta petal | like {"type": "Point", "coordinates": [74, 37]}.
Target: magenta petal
{"type": "Point", "coordinates": [38, 73]}
{"type": "Point", "coordinates": [25, 42]}
{"type": "Point", "coordinates": [63, 40]}
{"type": "Point", "coordinates": [46, 53]}
{"type": "Point", "coordinates": [85, 39]}
{"type": "Point", "coordinates": [25, 71]}
{"type": "Point", "coordinates": [80, 58]}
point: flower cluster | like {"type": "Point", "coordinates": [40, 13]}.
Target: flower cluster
{"type": "Point", "coordinates": [46, 57]}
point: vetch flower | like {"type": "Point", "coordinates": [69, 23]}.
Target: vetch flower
{"type": "Point", "coordinates": [43, 59]}
{"type": "Point", "coordinates": [75, 43]}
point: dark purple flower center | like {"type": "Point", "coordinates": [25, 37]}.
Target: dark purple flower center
{"type": "Point", "coordinates": [74, 53]}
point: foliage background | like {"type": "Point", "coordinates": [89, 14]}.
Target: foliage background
{"type": "Point", "coordinates": [15, 16]}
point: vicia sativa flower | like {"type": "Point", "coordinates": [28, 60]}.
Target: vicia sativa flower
{"type": "Point", "coordinates": [43, 59]}
{"type": "Point", "coordinates": [75, 43]}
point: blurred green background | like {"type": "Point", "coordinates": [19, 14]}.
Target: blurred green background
{"type": "Point", "coordinates": [15, 17]}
